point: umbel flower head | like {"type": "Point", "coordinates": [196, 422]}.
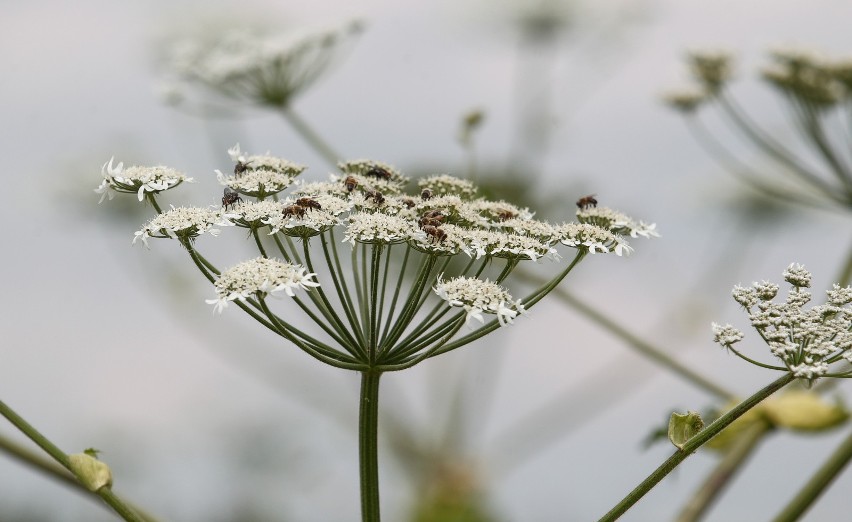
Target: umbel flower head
{"type": "Point", "coordinates": [137, 180]}
{"type": "Point", "coordinates": [808, 341]}
{"type": "Point", "coordinates": [393, 277]}
{"type": "Point", "coordinates": [260, 277]}
{"type": "Point", "coordinates": [255, 68]}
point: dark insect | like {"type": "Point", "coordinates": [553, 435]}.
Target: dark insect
{"type": "Point", "coordinates": [231, 198]}
{"type": "Point", "coordinates": [435, 233]}
{"type": "Point", "coordinates": [350, 182]}
{"type": "Point", "coordinates": [433, 218]}
{"type": "Point", "coordinates": [308, 203]}
{"type": "Point", "coordinates": [293, 210]}
{"type": "Point", "coordinates": [241, 167]}
{"type": "Point", "coordinates": [505, 215]}
{"type": "Point", "coordinates": [426, 194]}
{"type": "Point", "coordinates": [408, 202]}
{"type": "Point", "coordinates": [378, 172]}
{"type": "Point", "coordinates": [587, 201]}
{"type": "Point", "coordinates": [375, 195]}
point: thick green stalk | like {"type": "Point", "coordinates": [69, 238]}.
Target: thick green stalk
{"type": "Point", "coordinates": [692, 445]}
{"type": "Point", "coordinates": [122, 509]}
{"type": "Point", "coordinates": [368, 448]}
{"type": "Point", "coordinates": [819, 483]}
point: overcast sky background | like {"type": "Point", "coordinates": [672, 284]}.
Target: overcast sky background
{"type": "Point", "coordinates": [202, 417]}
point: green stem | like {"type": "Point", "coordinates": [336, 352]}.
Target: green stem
{"type": "Point", "coordinates": [530, 301]}
{"type": "Point", "coordinates": [368, 448]}
{"type": "Point", "coordinates": [314, 140]}
{"type": "Point", "coordinates": [374, 317]}
{"type": "Point", "coordinates": [55, 471]}
{"type": "Point", "coordinates": [153, 200]}
{"type": "Point", "coordinates": [655, 354]}
{"type": "Point", "coordinates": [339, 279]}
{"type": "Point", "coordinates": [734, 459]}
{"type": "Point", "coordinates": [327, 310]}
{"type": "Point", "coordinates": [693, 444]}
{"type": "Point", "coordinates": [257, 242]}
{"type": "Point", "coordinates": [819, 483]}
{"type": "Point", "coordinates": [122, 509]}
{"type": "Point", "coordinates": [319, 352]}
{"type": "Point", "coordinates": [845, 276]}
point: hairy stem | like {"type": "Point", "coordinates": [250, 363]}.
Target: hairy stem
{"type": "Point", "coordinates": [692, 445]}
{"type": "Point", "coordinates": [106, 494]}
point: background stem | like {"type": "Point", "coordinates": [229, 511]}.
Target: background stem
{"type": "Point", "coordinates": [819, 483]}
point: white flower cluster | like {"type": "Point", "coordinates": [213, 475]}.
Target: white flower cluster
{"type": "Point", "coordinates": [137, 180]}
{"type": "Point", "coordinates": [591, 237]}
{"type": "Point", "coordinates": [184, 223]}
{"type": "Point", "coordinates": [253, 67]}
{"type": "Point", "coordinates": [443, 184]}
{"type": "Point", "coordinates": [616, 222]}
{"type": "Point", "coordinates": [808, 341]}
{"type": "Point", "coordinates": [477, 297]}
{"type": "Point", "coordinates": [259, 175]}
{"type": "Point", "coordinates": [365, 227]}
{"type": "Point", "coordinates": [260, 276]}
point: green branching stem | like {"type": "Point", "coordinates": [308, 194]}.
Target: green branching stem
{"type": "Point", "coordinates": [768, 145]}
{"type": "Point", "coordinates": [413, 361]}
{"type": "Point", "coordinates": [693, 444]}
{"type": "Point", "coordinates": [339, 279]}
{"type": "Point", "coordinates": [530, 301]}
{"type": "Point", "coordinates": [818, 483]}
{"type": "Point", "coordinates": [321, 353]}
{"type": "Point", "coordinates": [731, 163]}
{"type": "Point", "coordinates": [310, 136]}
{"type": "Point", "coordinates": [106, 494]}
{"type": "Point", "coordinates": [321, 301]}
{"type": "Point", "coordinates": [410, 307]}
{"type": "Point", "coordinates": [754, 362]}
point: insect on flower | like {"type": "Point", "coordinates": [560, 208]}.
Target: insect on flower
{"type": "Point", "coordinates": [505, 215]}
{"type": "Point", "coordinates": [378, 172]}
{"type": "Point", "coordinates": [587, 201]}
{"type": "Point", "coordinates": [434, 232]}
{"type": "Point", "coordinates": [432, 218]}
{"type": "Point", "coordinates": [231, 198]}
{"type": "Point", "coordinates": [294, 210]}
{"type": "Point", "coordinates": [375, 195]}
{"type": "Point", "coordinates": [241, 167]}
{"type": "Point", "coordinates": [350, 183]}
{"type": "Point", "coordinates": [308, 203]}
{"type": "Point", "coordinates": [426, 194]}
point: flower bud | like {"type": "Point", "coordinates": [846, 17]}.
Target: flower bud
{"type": "Point", "coordinates": [683, 427]}
{"type": "Point", "coordinates": [91, 472]}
